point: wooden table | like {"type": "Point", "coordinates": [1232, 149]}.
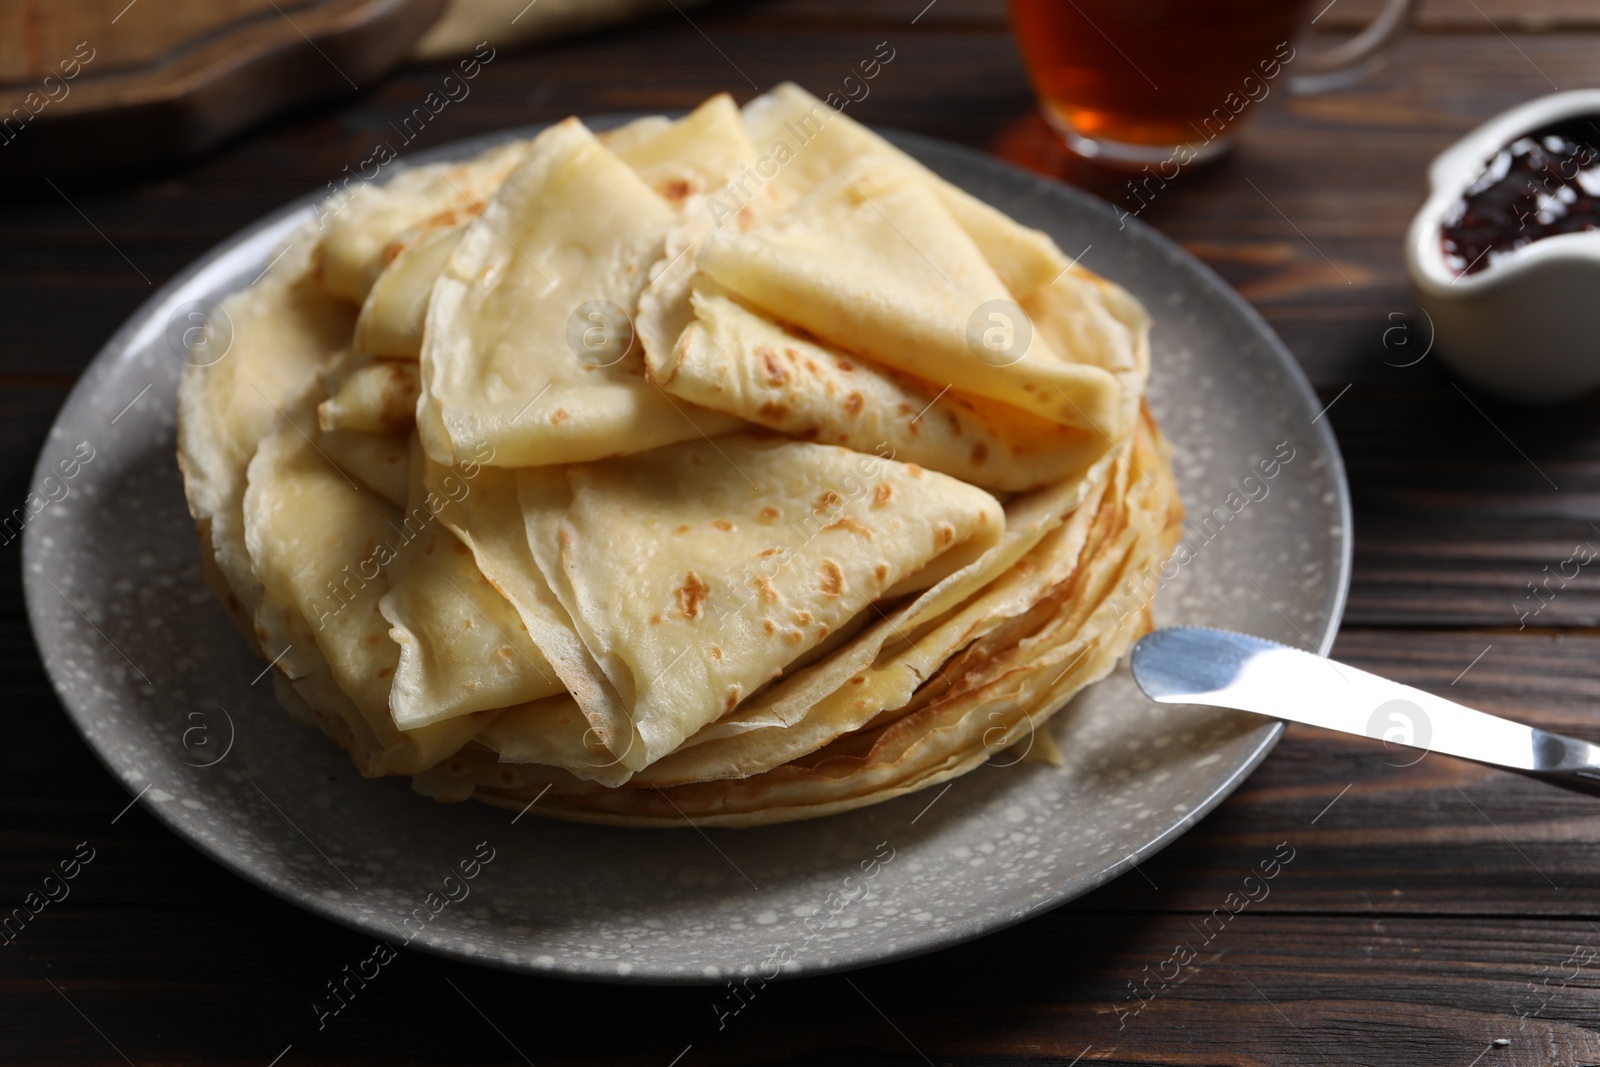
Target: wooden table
{"type": "Point", "coordinates": [1431, 913]}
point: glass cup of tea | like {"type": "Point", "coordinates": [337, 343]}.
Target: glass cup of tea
{"type": "Point", "coordinates": [1134, 82]}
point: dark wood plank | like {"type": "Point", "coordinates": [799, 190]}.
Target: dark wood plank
{"type": "Point", "coordinates": [1451, 16]}
{"type": "Point", "coordinates": [1469, 512]}
{"type": "Point", "coordinates": [1259, 988]}
{"type": "Point", "coordinates": [1475, 16]}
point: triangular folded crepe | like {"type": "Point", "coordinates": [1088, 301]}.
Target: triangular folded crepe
{"type": "Point", "coordinates": [253, 358]}
{"type": "Point", "coordinates": [319, 544]}
{"type": "Point", "coordinates": [374, 461]}
{"type": "Point", "coordinates": [396, 308]}
{"type": "Point", "coordinates": [818, 141]}
{"type": "Point", "coordinates": [634, 132]}
{"type": "Point", "coordinates": [735, 361]}
{"type": "Point", "coordinates": [872, 262]}
{"type": "Point", "coordinates": [695, 574]}
{"type": "Point", "coordinates": [999, 692]}
{"type": "Point", "coordinates": [485, 513]}
{"type": "Point", "coordinates": [679, 160]}
{"type": "Point", "coordinates": [815, 701]}
{"type": "Point", "coordinates": [553, 732]}
{"type": "Point", "coordinates": [811, 141]}
{"type": "Point", "coordinates": [689, 157]}
{"type": "Point", "coordinates": [528, 350]}
{"type": "Point", "coordinates": [463, 647]}
{"type": "Point", "coordinates": [751, 744]}
{"type": "Point", "coordinates": [366, 227]}
{"type": "Point", "coordinates": [875, 669]}
{"type": "Point", "coordinates": [904, 651]}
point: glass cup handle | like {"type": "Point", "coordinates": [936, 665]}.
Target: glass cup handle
{"type": "Point", "coordinates": [1354, 59]}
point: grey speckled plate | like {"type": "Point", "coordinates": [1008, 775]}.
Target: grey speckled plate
{"type": "Point", "coordinates": [163, 689]}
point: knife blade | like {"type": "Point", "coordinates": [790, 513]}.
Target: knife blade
{"type": "Point", "coordinates": [1219, 668]}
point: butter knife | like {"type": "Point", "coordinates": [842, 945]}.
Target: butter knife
{"type": "Point", "coordinates": [1197, 665]}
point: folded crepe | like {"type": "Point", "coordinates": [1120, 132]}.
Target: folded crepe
{"type": "Point", "coordinates": [365, 225]}
{"type": "Point", "coordinates": [396, 307]}
{"type": "Point", "coordinates": [374, 461]}
{"type": "Point", "coordinates": [688, 158]}
{"type": "Point", "coordinates": [873, 262]}
{"type": "Point", "coordinates": [696, 573]}
{"type": "Point", "coordinates": [273, 337]}
{"type": "Point", "coordinates": [528, 350]}
{"type": "Point", "coordinates": [809, 141]}
{"type": "Point", "coordinates": [679, 160]}
{"type": "Point", "coordinates": [734, 468]}
{"type": "Point", "coordinates": [463, 647]}
{"type": "Point", "coordinates": [732, 360]}
{"type": "Point", "coordinates": [487, 517]}
{"type": "Point", "coordinates": [319, 543]}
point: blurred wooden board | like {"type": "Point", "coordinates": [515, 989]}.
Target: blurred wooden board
{"type": "Point", "coordinates": [35, 35]}
{"type": "Point", "coordinates": [99, 85]}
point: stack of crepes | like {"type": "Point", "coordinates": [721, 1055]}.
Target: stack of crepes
{"type": "Point", "coordinates": [735, 469]}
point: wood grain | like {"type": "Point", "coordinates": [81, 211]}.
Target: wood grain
{"type": "Point", "coordinates": [34, 35]}
{"type": "Point", "coordinates": [100, 87]}
{"type": "Point", "coordinates": [1476, 16]}
{"type": "Point", "coordinates": [1449, 16]}
{"type": "Point", "coordinates": [1428, 908]}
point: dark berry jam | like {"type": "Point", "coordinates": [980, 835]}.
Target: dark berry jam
{"type": "Point", "coordinates": [1542, 184]}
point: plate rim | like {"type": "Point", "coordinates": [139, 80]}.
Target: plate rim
{"type": "Point", "coordinates": [147, 316]}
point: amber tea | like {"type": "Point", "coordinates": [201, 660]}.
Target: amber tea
{"type": "Point", "coordinates": [1132, 80]}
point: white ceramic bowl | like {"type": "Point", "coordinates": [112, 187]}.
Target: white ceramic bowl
{"type": "Point", "coordinates": [1528, 328]}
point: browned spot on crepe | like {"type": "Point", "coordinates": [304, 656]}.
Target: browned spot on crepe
{"type": "Point", "coordinates": [775, 373]}
{"type": "Point", "coordinates": [832, 583]}
{"type": "Point", "coordinates": [691, 594]}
